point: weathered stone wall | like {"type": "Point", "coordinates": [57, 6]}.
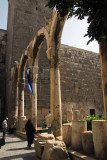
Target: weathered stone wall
{"type": "Point", "coordinates": [25, 18]}
{"type": "Point", "coordinates": [43, 86]}
{"type": "Point", "coordinates": [80, 83]}
{"type": "Point", "coordinates": [80, 69]}
{"type": "Point", "coordinates": [80, 80]}
{"type": "Point", "coordinates": [3, 42]}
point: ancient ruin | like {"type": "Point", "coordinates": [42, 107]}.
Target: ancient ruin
{"type": "Point", "coordinates": [73, 107]}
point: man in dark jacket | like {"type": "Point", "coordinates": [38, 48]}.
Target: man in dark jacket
{"type": "Point", "coordinates": [30, 130]}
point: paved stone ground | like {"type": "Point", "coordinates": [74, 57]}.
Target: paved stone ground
{"type": "Point", "coordinates": [16, 149]}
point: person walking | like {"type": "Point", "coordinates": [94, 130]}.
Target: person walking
{"type": "Point", "coordinates": [30, 130]}
{"type": "Point", "coordinates": [4, 127]}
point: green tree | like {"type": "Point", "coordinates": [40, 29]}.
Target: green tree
{"type": "Point", "coordinates": [96, 11]}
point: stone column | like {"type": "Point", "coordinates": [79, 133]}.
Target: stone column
{"type": "Point", "coordinates": [16, 105]}
{"type": "Point", "coordinates": [99, 129]}
{"type": "Point", "coordinates": [34, 98]}
{"type": "Point", "coordinates": [55, 97]}
{"type": "Point", "coordinates": [16, 100]}
{"type": "Point", "coordinates": [21, 117]}
{"type": "Point", "coordinates": [77, 128]}
{"type": "Point", "coordinates": [87, 142]}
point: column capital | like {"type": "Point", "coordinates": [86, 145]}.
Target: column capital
{"type": "Point", "coordinates": [21, 83]}
{"type": "Point", "coordinates": [54, 62]}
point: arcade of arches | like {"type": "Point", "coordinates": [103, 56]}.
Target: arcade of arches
{"type": "Point", "coordinates": [52, 33]}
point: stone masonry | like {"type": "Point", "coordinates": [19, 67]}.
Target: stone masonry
{"type": "Point", "coordinates": [80, 80]}
{"type": "Point", "coordinates": [79, 69]}
{"type": "Point", "coordinates": [25, 18]}
{"type": "Point", "coordinates": [3, 43]}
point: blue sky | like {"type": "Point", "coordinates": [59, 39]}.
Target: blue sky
{"type": "Point", "coordinates": [3, 14]}
{"type": "Point", "coordinates": [72, 35]}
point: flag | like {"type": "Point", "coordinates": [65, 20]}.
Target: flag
{"type": "Point", "coordinates": [28, 77]}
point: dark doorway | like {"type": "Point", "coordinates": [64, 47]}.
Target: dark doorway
{"type": "Point", "coordinates": [92, 112]}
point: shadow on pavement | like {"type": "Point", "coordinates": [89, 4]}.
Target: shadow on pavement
{"type": "Point", "coordinates": [25, 148]}
{"type": "Point", "coordinates": [26, 156]}
{"type": "Point", "coordinates": [14, 142]}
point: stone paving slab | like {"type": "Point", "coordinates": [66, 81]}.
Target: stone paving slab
{"type": "Point", "coordinates": [16, 149]}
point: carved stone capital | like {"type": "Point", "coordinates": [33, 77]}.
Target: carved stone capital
{"type": "Point", "coordinates": [54, 62]}
{"type": "Point", "coordinates": [21, 83]}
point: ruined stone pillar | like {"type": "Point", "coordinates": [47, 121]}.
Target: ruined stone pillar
{"type": "Point", "coordinates": [34, 98]}
{"type": "Point", "coordinates": [55, 97]}
{"type": "Point", "coordinates": [78, 127]}
{"type": "Point", "coordinates": [16, 101]}
{"type": "Point", "coordinates": [99, 129]}
{"type": "Point", "coordinates": [16, 105]}
{"type": "Point", "coordinates": [21, 117]}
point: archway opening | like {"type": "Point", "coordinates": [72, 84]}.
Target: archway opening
{"type": "Point", "coordinates": [43, 86]}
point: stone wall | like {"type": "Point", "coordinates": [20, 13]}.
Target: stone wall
{"type": "Point", "coordinates": [80, 83]}
{"type": "Point", "coordinates": [25, 18]}
{"type": "Point", "coordinates": [80, 69]}
{"type": "Point", "coordinates": [80, 80]}
{"type": "Point", "coordinates": [3, 42]}
{"type": "Point", "coordinates": [43, 87]}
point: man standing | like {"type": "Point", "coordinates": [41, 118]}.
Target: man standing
{"type": "Point", "coordinates": [4, 126]}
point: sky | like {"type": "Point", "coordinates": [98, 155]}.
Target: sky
{"type": "Point", "coordinates": [72, 35]}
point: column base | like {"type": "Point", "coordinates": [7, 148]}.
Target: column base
{"type": "Point", "coordinates": [77, 128]}
{"type": "Point", "coordinates": [22, 123]}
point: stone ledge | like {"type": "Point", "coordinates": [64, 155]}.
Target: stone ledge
{"type": "Point", "coordinates": [78, 156]}
{"type": "Point", "coordinates": [20, 134]}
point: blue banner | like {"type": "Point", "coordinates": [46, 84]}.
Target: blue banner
{"type": "Point", "coordinates": [29, 83]}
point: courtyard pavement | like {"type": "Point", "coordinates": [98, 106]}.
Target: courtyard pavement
{"type": "Point", "coordinates": [15, 148]}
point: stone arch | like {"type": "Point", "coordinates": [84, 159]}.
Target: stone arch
{"type": "Point", "coordinates": [21, 86]}
{"type": "Point", "coordinates": [34, 54]}
{"type": "Point", "coordinates": [53, 55]}
{"type": "Point", "coordinates": [53, 43]}
{"type": "Point", "coordinates": [52, 33]}
{"type": "Point", "coordinates": [22, 63]}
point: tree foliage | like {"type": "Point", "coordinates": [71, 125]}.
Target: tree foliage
{"type": "Point", "coordinates": [95, 10]}
{"type": "Point", "coordinates": [91, 118]}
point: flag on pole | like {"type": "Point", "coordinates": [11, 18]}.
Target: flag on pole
{"type": "Point", "coordinates": [29, 83]}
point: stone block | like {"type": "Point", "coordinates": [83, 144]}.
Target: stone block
{"type": "Point", "coordinates": [43, 137]}
{"type": "Point", "coordinates": [67, 133]}
{"type": "Point", "coordinates": [77, 128]}
{"type": "Point", "coordinates": [99, 129]}
{"type": "Point", "coordinates": [76, 115]}
{"type": "Point", "coordinates": [59, 138]}
{"type": "Point", "coordinates": [40, 142]}
{"type": "Point", "coordinates": [39, 147]}
{"type": "Point", "coordinates": [55, 150]}
{"type": "Point", "coordinates": [87, 142]}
